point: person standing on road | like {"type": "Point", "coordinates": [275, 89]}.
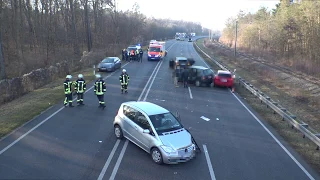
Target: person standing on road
{"type": "Point", "coordinates": [123, 54]}
{"type": "Point", "coordinates": [185, 76]}
{"type": "Point", "coordinates": [80, 88]}
{"type": "Point", "coordinates": [124, 80]}
{"type": "Point", "coordinates": [141, 54]}
{"type": "Point", "coordinates": [99, 90]}
{"type": "Point", "coordinates": [176, 75]}
{"type": "Point", "coordinates": [68, 91]}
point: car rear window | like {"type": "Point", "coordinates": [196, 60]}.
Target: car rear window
{"type": "Point", "coordinates": [207, 72]}
{"type": "Point", "coordinates": [225, 75]}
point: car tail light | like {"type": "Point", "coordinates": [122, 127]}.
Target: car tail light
{"type": "Point", "coordinates": [117, 113]}
{"type": "Point", "coordinates": [203, 77]}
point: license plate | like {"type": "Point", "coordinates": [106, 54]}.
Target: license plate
{"type": "Point", "coordinates": [223, 80]}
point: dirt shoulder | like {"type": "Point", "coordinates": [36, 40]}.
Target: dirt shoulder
{"type": "Point", "coordinates": [299, 96]}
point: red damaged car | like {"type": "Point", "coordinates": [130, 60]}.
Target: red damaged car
{"type": "Point", "coordinates": [223, 78]}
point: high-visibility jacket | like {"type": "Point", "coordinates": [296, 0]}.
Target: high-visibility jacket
{"type": "Point", "coordinates": [99, 87]}
{"type": "Point", "coordinates": [80, 86]}
{"type": "Point", "coordinates": [137, 52]}
{"type": "Point", "coordinates": [124, 78]}
{"type": "Point", "coordinates": [67, 87]}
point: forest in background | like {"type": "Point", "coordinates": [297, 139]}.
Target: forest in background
{"type": "Point", "coordinates": [39, 33]}
{"type": "Point", "coordinates": [287, 35]}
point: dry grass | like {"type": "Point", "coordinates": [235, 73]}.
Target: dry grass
{"type": "Point", "coordinates": [21, 110]}
{"type": "Point", "coordinates": [295, 100]}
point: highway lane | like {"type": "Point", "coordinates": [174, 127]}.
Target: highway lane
{"type": "Point", "coordinates": [67, 146]}
{"type": "Point", "coordinates": [238, 146]}
{"type": "Point", "coordinates": [73, 142]}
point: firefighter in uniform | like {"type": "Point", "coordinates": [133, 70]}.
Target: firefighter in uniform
{"type": "Point", "coordinates": [100, 89]}
{"type": "Point", "coordinates": [124, 80]}
{"type": "Point", "coordinates": [68, 91]}
{"type": "Point", "coordinates": [80, 88]}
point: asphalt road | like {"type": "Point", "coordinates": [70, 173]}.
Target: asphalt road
{"type": "Point", "coordinates": [78, 143]}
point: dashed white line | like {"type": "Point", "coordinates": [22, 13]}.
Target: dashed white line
{"type": "Point", "coordinates": [212, 175]}
{"type": "Point", "coordinates": [190, 93]}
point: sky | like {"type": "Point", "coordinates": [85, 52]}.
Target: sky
{"type": "Point", "coordinates": [211, 14]}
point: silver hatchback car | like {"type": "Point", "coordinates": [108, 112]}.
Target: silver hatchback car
{"type": "Point", "coordinates": [155, 130]}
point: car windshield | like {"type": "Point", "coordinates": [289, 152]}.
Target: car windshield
{"type": "Point", "coordinates": [131, 48]}
{"type": "Point", "coordinates": [225, 75]}
{"type": "Point", "coordinates": [207, 72]}
{"type": "Point", "coordinates": [108, 60]}
{"type": "Point", "coordinates": [154, 49]}
{"type": "Point", "coordinates": [164, 123]}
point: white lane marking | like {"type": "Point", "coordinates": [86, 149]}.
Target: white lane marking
{"type": "Point", "coordinates": [213, 177]}
{"type": "Point", "coordinates": [146, 95]}
{"type": "Point", "coordinates": [191, 97]}
{"type": "Point", "coordinates": [45, 120]}
{"type": "Point", "coordinates": [148, 81]}
{"type": "Point", "coordinates": [105, 167]}
{"type": "Point", "coordinates": [279, 143]}
{"type": "Point", "coordinates": [205, 118]}
{"type": "Point", "coordinates": [116, 167]}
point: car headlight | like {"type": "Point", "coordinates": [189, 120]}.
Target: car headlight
{"type": "Point", "coordinates": [149, 55]}
{"type": "Point", "coordinates": [168, 149]}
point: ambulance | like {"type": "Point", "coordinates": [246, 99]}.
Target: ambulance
{"type": "Point", "coordinates": [156, 51]}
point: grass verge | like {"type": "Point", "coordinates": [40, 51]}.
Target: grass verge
{"type": "Point", "coordinates": [22, 110]}
{"type": "Point", "coordinates": [305, 147]}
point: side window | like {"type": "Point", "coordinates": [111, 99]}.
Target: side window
{"type": "Point", "coordinates": [142, 121]}
{"type": "Point", "coordinates": [129, 112]}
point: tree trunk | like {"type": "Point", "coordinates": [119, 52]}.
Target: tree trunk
{"type": "Point", "coordinates": [74, 29]}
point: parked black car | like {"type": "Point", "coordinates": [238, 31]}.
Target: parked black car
{"type": "Point", "coordinates": [200, 75]}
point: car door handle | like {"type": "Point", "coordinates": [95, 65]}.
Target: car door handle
{"type": "Point", "coordinates": [136, 127]}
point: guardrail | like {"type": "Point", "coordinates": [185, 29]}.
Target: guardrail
{"type": "Point", "coordinates": [275, 106]}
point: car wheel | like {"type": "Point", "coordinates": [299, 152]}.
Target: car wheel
{"type": "Point", "coordinates": [118, 132]}
{"type": "Point", "coordinates": [197, 83]}
{"type": "Point", "coordinates": [156, 156]}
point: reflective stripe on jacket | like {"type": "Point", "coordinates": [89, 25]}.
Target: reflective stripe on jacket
{"type": "Point", "coordinates": [67, 87]}
{"type": "Point", "coordinates": [124, 78]}
{"type": "Point", "coordinates": [80, 86]}
{"type": "Point", "coordinates": [99, 87]}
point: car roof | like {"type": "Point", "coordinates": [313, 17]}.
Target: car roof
{"type": "Point", "coordinates": [111, 57]}
{"type": "Point", "coordinates": [147, 107]}
{"type": "Point", "coordinates": [223, 72]}
{"type": "Point", "coordinates": [181, 58]}
{"type": "Point", "coordinates": [198, 67]}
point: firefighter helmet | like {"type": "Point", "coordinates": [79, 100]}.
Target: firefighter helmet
{"type": "Point", "coordinates": [68, 76]}
{"type": "Point", "coordinates": [123, 70]}
{"type": "Point", "coordinates": [80, 76]}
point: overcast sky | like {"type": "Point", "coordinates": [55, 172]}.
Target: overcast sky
{"type": "Point", "coordinates": [210, 13]}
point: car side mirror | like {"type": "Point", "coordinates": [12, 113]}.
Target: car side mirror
{"type": "Point", "coordinates": [146, 131]}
